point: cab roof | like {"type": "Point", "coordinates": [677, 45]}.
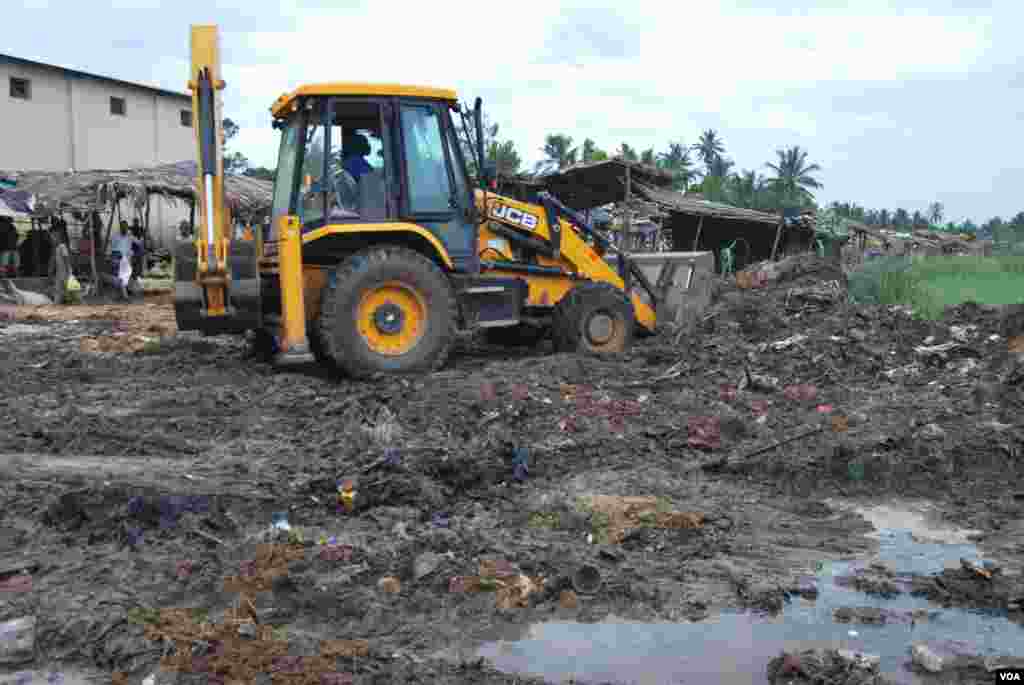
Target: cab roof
{"type": "Point", "coordinates": [367, 89]}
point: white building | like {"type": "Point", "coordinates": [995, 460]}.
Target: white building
{"type": "Point", "coordinates": [57, 119]}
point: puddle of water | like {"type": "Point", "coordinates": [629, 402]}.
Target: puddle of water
{"type": "Point", "coordinates": [736, 647]}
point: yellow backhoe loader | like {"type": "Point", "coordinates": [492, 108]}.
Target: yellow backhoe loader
{"type": "Point", "coordinates": [379, 249]}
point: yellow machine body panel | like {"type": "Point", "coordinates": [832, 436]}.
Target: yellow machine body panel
{"type": "Point", "coordinates": [381, 228]}
{"type": "Point", "coordinates": [341, 88]}
{"type": "Point", "coordinates": [575, 256]}
{"type": "Point", "coordinates": [205, 51]}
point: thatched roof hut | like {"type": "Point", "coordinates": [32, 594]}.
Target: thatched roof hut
{"type": "Point", "coordinates": [96, 189]}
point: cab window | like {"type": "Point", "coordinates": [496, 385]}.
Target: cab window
{"type": "Point", "coordinates": [430, 191]}
{"type": "Point", "coordinates": [356, 171]}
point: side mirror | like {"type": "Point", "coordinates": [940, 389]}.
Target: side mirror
{"type": "Point", "coordinates": [490, 175]}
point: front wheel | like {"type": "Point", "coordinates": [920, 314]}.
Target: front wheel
{"type": "Point", "coordinates": [390, 310]}
{"type": "Point", "coordinates": [593, 318]}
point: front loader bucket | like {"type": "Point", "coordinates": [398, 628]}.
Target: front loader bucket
{"type": "Point", "coordinates": [244, 311]}
{"type": "Point", "coordinates": [673, 275]}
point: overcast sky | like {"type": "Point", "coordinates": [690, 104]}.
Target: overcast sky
{"type": "Point", "coordinates": [899, 107]}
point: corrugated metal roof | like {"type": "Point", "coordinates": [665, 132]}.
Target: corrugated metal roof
{"type": "Point", "coordinates": [676, 202]}
{"type": "Point", "coordinates": [589, 185]}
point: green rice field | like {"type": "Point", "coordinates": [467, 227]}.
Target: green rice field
{"type": "Point", "coordinates": [929, 284]}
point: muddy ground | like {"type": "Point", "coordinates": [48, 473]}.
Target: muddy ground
{"type": "Point", "coordinates": [104, 410]}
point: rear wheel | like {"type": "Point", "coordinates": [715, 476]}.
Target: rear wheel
{"type": "Point", "coordinates": [594, 318]}
{"type": "Point", "coordinates": [319, 348]}
{"type": "Point", "coordinates": [390, 310]}
{"type": "Point", "coordinates": [520, 335]}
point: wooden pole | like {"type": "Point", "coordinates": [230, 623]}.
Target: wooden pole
{"type": "Point", "coordinates": [627, 224]}
{"type": "Point", "coordinates": [94, 235]}
{"type": "Point", "coordinates": [778, 233]}
{"type": "Point", "coordinates": [192, 217]}
{"type": "Point", "coordinates": [700, 225]}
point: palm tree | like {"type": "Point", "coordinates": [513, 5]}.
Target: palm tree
{"type": "Point", "coordinates": [505, 157]}
{"type": "Point", "coordinates": [559, 152]}
{"type": "Point", "coordinates": [793, 179]}
{"type": "Point", "coordinates": [721, 167]}
{"type": "Point", "coordinates": [747, 187]}
{"type": "Point", "coordinates": [900, 217]}
{"type": "Point", "coordinates": [883, 217]}
{"type": "Point", "coordinates": [647, 157]}
{"type": "Point", "coordinates": [627, 153]}
{"type": "Point", "coordinates": [935, 213]}
{"type": "Point", "coordinates": [677, 160]}
{"type": "Point", "coordinates": [589, 151]}
{"type": "Point", "coordinates": [709, 147]}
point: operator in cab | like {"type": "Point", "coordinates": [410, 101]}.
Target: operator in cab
{"type": "Point", "coordinates": [355, 148]}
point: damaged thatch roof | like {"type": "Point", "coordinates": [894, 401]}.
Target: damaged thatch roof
{"type": "Point", "coordinates": [592, 184]}
{"type": "Point", "coordinates": [87, 190]}
{"type": "Point", "coordinates": [676, 202]}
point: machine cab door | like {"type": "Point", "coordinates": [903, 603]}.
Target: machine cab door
{"type": "Point", "coordinates": [436, 193]}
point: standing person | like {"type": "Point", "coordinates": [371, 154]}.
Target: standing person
{"type": "Point", "coordinates": [120, 251]}
{"type": "Point", "coordinates": [138, 251]}
{"type": "Point", "coordinates": [60, 266]}
{"type": "Point", "coordinates": [8, 248]}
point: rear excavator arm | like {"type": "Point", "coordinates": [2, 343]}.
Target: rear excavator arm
{"type": "Point", "coordinates": [213, 241]}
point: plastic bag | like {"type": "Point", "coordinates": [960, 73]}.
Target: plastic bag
{"type": "Point", "coordinates": [124, 271]}
{"type": "Point", "coordinates": [73, 285]}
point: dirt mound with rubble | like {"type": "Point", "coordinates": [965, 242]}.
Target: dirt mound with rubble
{"type": "Point", "coordinates": [693, 476]}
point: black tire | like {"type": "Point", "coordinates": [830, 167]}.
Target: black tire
{"type": "Point", "coordinates": [520, 335]}
{"type": "Point", "coordinates": [360, 274]}
{"type": "Point", "coordinates": [574, 313]}
{"type": "Point", "coordinates": [318, 347]}
{"type": "Point", "coordinates": [263, 346]}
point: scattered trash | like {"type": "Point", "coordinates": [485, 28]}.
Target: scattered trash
{"type": "Point", "coordinates": [515, 594]}
{"type": "Point", "coordinates": [336, 552]}
{"type": "Point", "coordinates": [568, 600]}
{"type": "Point", "coordinates": [824, 408]}
{"type": "Point", "coordinates": [727, 392]}
{"type": "Point", "coordinates": [17, 583]}
{"type": "Point", "coordinates": [390, 585]}
{"type": "Point", "coordinates": [439, 520]}
{"type": "Point", "coordinates": [705, 432]}
{"type": "Point", "coordinates": [840, 424]}
{"type": "Point", "coordinates": [520, 463]}
{"type": "Point", "coordinates": [279, 521]}
{"type": "Point", "coordinates": [346, 495]}
{"type": "Point", "coordinates": [392, 456]}
{"type": "Point", "coordinates": [852, 633]}
{"type": "Point", "coordinates": [19, 643]}
{"type": "Point", "coordinates": [803, 392]}
{"type": "Point", "coordinates": [184, 569]}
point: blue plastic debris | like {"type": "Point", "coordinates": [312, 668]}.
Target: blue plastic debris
{"type": "Point", "coordinates": [134, 536]}
{"type": "Point", "coordinates": [439, 520]}
{"type": "Point", "coordinates": [135, 505]}
{"type": "Point", "coordinates": [392, 456]}
{"type": "Point", "coordinates": [520, 463]}
{"type": "Point", "coordinates": [55, 678]}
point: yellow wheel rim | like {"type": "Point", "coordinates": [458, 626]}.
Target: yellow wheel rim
{"type": "Point", "coordinates": [392, 318]}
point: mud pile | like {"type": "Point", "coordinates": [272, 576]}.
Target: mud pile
{"type": "Point", "coordinates": [780, 398]}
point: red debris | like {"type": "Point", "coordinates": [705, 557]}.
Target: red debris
{"type": "Point", "coordinates": [803, 392]}
{"type": "Point", "coordinates": [824, 408]}
{"type": "Point", "coordinates": [705, 432]}
{"type": "Point", "coordinates": [336, 553]}
{"type": "Point", "coordinates": [727, 392]}
{"type": "Point", "coordinates": [22, 583]}
{"type": "Point", "coordinates": [519, 392]}
{"type": "Point", "coordinates": [488, 392]}
{"type": "Point", "coordinates": [184, 569]}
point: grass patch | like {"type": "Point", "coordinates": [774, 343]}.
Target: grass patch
{"type": "Point", "coordinates": [930, 284]}
{"type": "Point", "coordinates": [540, 519]}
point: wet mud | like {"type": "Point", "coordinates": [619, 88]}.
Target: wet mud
{"type": "Point", "coordinates": [108, 415]}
